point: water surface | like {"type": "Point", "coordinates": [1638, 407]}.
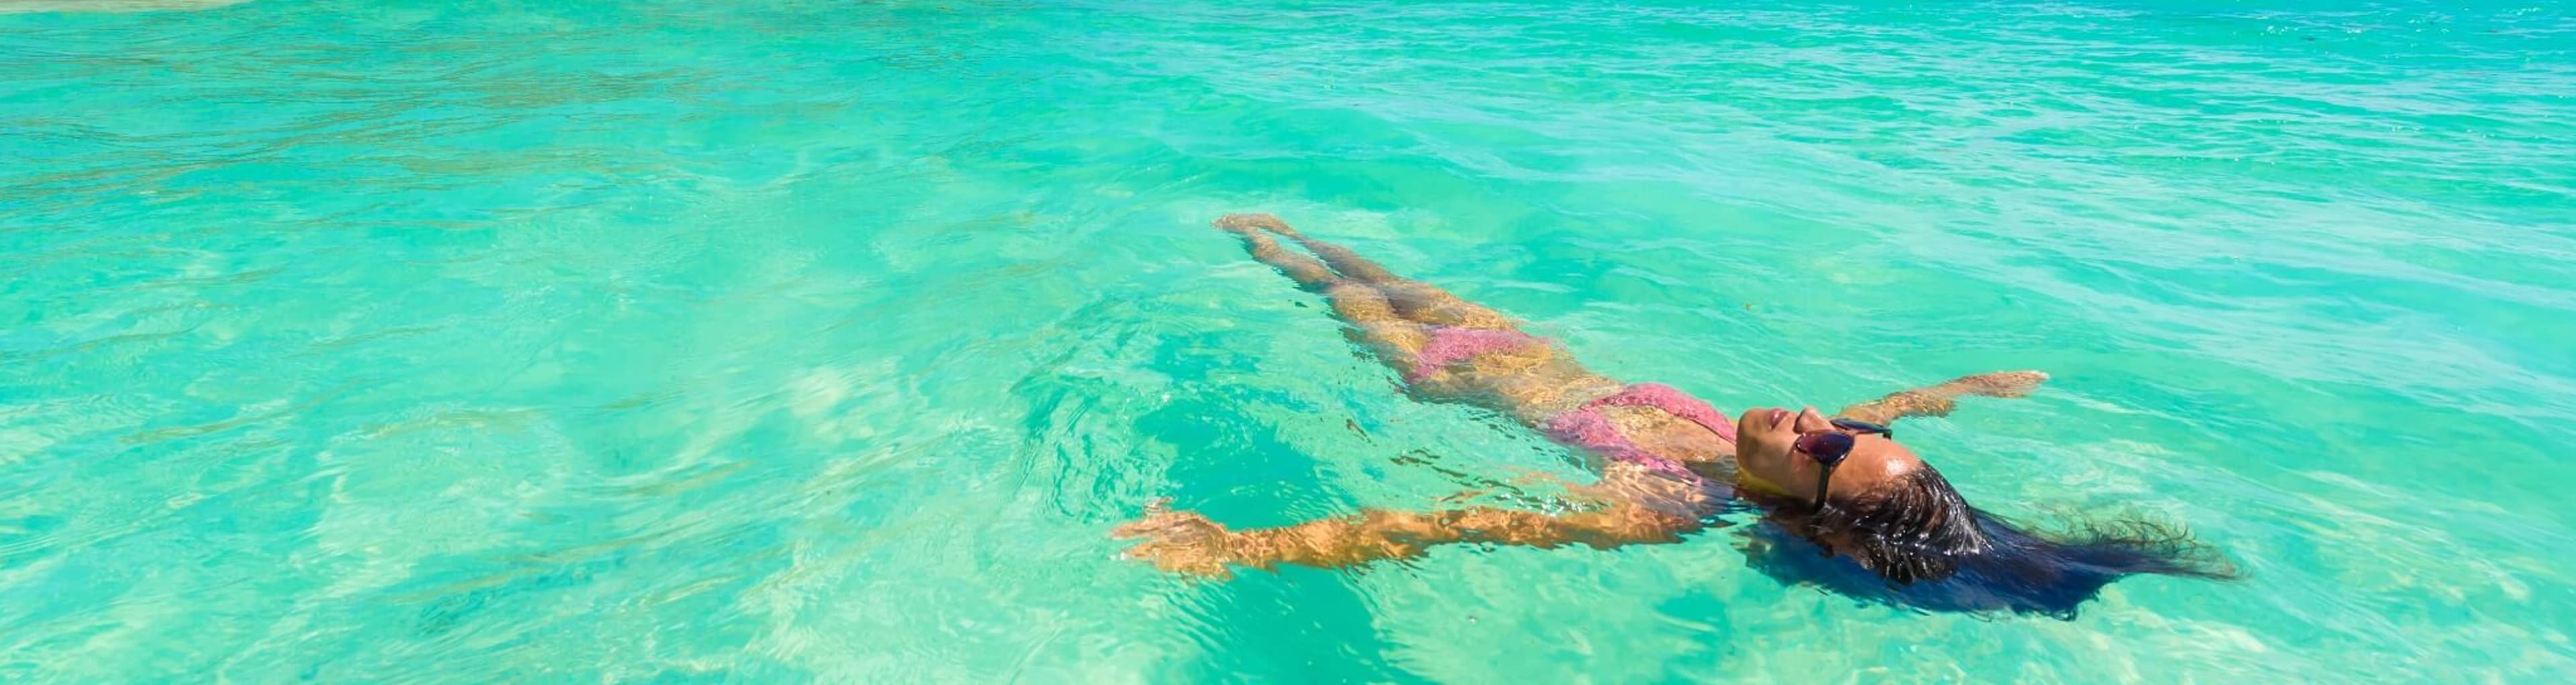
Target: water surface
{"type": "Point", "coordinates": [792, 340]}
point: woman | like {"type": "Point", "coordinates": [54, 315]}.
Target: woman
{"type": "Point", "coordinates": [1670, 464]}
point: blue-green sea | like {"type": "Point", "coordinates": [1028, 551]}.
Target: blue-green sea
{"type": "Point", "coordinates": [825, 340]}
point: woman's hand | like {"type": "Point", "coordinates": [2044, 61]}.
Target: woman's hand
{"type": "Point", "coordinates": [1998, 384]}
{"type": "Point", "coordinates": [1181, 541]}
{"type": "Point", "coordinates": [1938, 400]}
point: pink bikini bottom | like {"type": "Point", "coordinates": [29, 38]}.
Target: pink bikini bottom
{"type": "Point", "coordinates": [1452, 344]}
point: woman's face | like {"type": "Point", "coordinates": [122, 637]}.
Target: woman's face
{"type": "Point", "coordinates": [1768, 458]}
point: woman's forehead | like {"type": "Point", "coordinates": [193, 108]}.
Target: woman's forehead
{"type": "Point", "coordinates": [1875, 459]}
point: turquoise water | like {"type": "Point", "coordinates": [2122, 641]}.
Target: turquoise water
{"type": "Point", "coordinates": [794, 340]}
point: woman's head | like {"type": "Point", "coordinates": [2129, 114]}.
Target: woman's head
{"type": "Point", "coordinates": [1793, 454]}
{"type": "Point", "coordinates": [1897, 517]}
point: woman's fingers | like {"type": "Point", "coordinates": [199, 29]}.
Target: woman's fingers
{"type": "Point", "coordinates": [1177, 541]}
{"type": "Point", "coordinates": [1132, 530]}
{"type": "Point", "coordinates": [1165, 526]}
{"type": "Point", "coordinates": [1158, 517]}
{"type": "Point", "coordinates": [1180, 559]}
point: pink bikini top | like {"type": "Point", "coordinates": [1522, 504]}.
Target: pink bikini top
{"type": "Point", "coordinates": [1585, 427]}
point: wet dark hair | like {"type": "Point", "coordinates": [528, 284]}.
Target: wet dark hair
{"type": "Point", "coordinates": [1919, 544]}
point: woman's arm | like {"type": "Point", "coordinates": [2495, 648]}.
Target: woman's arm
{"type": "Point", "coordinates": [1187, 542]}
{"type": "Point", "coordinates": [1938, 400]}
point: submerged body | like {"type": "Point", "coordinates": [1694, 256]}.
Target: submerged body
{"type": "Point", "coordinates": [1669, 462]}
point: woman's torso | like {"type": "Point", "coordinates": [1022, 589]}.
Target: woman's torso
{"type": "Point", "coordinates": [1536, 382]}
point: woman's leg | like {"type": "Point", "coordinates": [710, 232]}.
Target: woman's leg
{"type": "Point", "coordinates": [1372, 321]}
{"type": "Point", "coordinates": [1532, 388]}
{"type": "Point", "coordinates": [1350, 264]}
{"type": "Point", "coordinates": [1307, 272]}
{"type": "Point", "coordinates": [1414, 300]}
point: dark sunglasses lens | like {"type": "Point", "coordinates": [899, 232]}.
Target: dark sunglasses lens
{"type": "Point", "coordinates": [1859, 426]}
{"type": "Point", "coordinates": [1827, 448]}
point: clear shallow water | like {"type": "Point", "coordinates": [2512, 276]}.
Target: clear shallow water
{"type": "Point", "coordinates": [776, 341]}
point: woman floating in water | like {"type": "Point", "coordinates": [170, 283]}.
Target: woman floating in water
{"type": "Point", "coordinates": [1670, 464]}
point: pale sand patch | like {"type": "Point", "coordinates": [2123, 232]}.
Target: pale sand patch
{"type": "Point", "coordinates": [23, 6]}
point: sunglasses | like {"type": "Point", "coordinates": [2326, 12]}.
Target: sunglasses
{"type": "Point", "coordinates": [1830, 449]}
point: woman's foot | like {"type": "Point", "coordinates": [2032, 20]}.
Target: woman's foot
{"type": "Point", "coordinates": [1246, 222]}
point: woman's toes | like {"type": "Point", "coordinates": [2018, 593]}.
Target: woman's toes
{"type": "Point", "coordinates": [1245, 222]}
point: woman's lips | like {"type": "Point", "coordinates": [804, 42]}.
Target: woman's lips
{"type": "Point", "coordinates": [1779, 415]}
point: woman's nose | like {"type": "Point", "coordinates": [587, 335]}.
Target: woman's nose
{"type": "Point", "coordinates": [1810, 421]}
